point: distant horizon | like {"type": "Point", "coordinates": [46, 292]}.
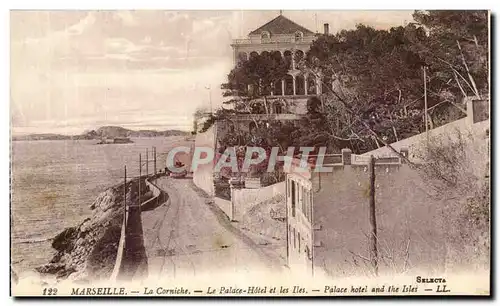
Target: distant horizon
{"type": "Point", "coordinates": [58, 131]}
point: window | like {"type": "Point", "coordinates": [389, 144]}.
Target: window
{"type": "Point", "coordinates": [265, 35]}
{"type": "Point", "coordinates": [298, 36]}
{"type": "Point", "coordinates": [293, 199]}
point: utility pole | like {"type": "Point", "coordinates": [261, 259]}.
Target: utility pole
{"type": "Point", "coordinates": [125, 194]}
{"type": "Point", "coordinates": [373, 220]}
{"type": "Point", "coordinates": [154, 156]}
{"type": "Point", "coordinates": [147, 162]}
{"type": "Point", "coordinates": [316, 22]}
{"type": "Point", "coordinates": [140, 176]}
{"type": "Point", "coordinates": [425, 105]}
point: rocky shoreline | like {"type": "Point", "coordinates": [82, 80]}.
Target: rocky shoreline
{"type": "Point", "coordinates": [87, 252]}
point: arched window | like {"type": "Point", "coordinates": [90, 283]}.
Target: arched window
{"type": "Point", "coordinates": [299, 85]}
{"type": "Point", "coordinates": [278, 89]}
{"type": "Point", "coordinates": [265, 35]}
{"type": "Point", "coordinates": [298, 36]}
{"type": "Point", "coordinates": [287, 56]}
{"type": "Point", "coordinates": [288, 85]}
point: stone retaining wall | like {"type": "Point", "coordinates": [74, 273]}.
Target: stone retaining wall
{"type": "Point", "coordinates": [131, 260]}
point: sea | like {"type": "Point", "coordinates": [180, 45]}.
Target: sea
{"type": "Point", "coordinates": [54, 182]}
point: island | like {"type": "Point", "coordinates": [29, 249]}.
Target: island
{"type": "Point", "coordinates": [105, 135]}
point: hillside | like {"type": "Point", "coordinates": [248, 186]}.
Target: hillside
{"type": "Point", "coordinates": [112, 131]}
{"type": "Point", "coordinates": [153, 133]}
{"type": "Point", "coordinates": [118, 131]}
{"type": "Point", "coordinates": [47, 136]}
{"type": "Point", "coordinates": [104, 131]}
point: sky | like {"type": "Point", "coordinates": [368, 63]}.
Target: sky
{"type": "Point", "coordinates": [73, 71]}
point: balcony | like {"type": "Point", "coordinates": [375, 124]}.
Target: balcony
{"type": "Point", "coordinates": [267, 117]}
{"type": "Point", "coordinates": [273, 40]}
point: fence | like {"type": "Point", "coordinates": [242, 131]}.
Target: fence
{"type": "Point", "coordinates": [131, 257]}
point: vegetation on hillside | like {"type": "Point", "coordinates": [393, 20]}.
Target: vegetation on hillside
{"type": "Point", "coordinates": [377, 95]}
{"type": "Point", "coordinates": [377, 75]}
{"type": "Point", "coordinates": [253, 79]}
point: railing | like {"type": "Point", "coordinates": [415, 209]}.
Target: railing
{"type": "Point", "coordinates": [158, 195]}
{"type": "Point", "coordinates": [248, 41]}
{"type": "Point", "coordinates": [158, 198]}
{"type": "Point", "coordinates": [328, 159]}
{"type": "Point", "coordinates": [267, 117]}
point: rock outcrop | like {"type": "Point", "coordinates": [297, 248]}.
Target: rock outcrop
{"type": "Point", "coordinates": [88, 251]}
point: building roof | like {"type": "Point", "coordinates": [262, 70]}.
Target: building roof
{"type": "Point", "coordinates": [281, 25]}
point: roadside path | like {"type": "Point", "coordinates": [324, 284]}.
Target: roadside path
{"type": "Point", "coordinates": [188, 236]}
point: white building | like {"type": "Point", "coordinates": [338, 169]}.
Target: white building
{"type": "Point", "coordinates": [283, 38]}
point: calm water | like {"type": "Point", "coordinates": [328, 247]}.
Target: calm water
{"type": "Point", "coordinates": [55, 182]}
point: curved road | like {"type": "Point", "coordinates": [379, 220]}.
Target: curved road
{"type": "Point", "coordinates": [187, 236]}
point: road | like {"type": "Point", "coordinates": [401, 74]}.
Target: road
{"type": "Point", "coordinates": [188, 236]}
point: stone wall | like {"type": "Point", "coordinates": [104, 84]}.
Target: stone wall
{"type": "Point", "coordinates": [158, 198]}
{"type": "Point", "coordinates": [225, 205]}
{"type": "Point", "coordinates": [203, 176]}
{"type": "Point", "coordinates": [407, 216]}
{"type": "Point", "coordinates": [244, 199]}
{"type": "Point", "coordinates": [475, 125]}
{"type": "Point", "coordinates": [420, 227]}
{"type": "Point", "coordinates": [131, 260]}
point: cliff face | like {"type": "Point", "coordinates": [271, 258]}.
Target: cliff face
{"type": "Point", "coordinates": [88, 251]}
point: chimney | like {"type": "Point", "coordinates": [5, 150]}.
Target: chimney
{"type": "Point", "coordinates": [326, 27]}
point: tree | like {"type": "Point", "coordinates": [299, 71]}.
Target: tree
{"type": "Point", "coordinates": [376, 97]}
{"type": "Point", "coordinates": [254, 79]}
{"type": "Point", "coordinates": [314, 105]}
{"type": "Point", "coordinates": [457, 49]}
